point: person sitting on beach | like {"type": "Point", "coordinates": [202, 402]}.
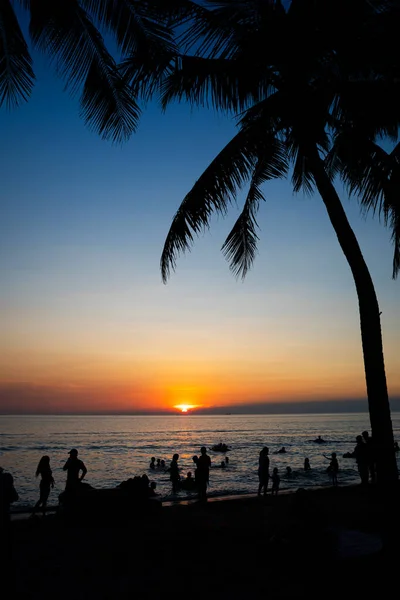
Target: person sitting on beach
{"type": "Point", "coordinates": [333, 467]}
{"type": "Point", "coordinates": [152, 489]}
{"type": "Point", "coordinates": [263, 471]}
{"type": "Point", "coordinates": [288, 471]}
{"type": "Point", "coordinates": [174, 473]}
{"type": "Point", "coordinates": [361, 455]}
{"type": "Point", "coordinates": [47, 481]}
{"type": "Point", "coordinates": [74, 466]}
{"type": "Point", "coordinates": [203, 473]}
{"type": "Point", "coordinates": [152, 463]}
{"type": "Point", "coordinates": [275, 482]}
{"type": "Point", "coordinates": [189, 483]}
{"type": "Point", "coordinates": [307, 466]}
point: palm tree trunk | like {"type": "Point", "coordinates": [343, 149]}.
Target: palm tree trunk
{"type": "Point", "coordinates": [378, 399]}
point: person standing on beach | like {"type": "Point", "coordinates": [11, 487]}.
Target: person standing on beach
{"type": "Point", "coordinates": [203, 473]}
{"type": "Point", "coordinates": [276, 480]}
{"type": "Point", "coordinates": [46, 481]}
{"type": "Point", "coordinates": [8, 495]}
{"type": "Point", "coordinates": [333, 468]}
{"type": "Point", "coordinates": [263, 471]}
{"type": "Point", "coordinates": [174, 473]}
{"type": "Point", "coordinates": [369, 443]}
{"type": "Point", "coordinates": [361, 455]}
{"type": "Point", "coordinates": [74, 466]}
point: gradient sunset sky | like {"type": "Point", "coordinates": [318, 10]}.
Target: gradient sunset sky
{"type": "Point", "coordinates": [86, 323]}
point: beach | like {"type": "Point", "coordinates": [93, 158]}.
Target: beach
{"type": "Point", "coordinates": [324, 542]}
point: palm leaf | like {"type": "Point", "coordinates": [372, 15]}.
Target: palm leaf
{"type": "Point", "coordinates": [16, 74]}
{"type": "Point", "coordinates": [215, 188]}
{"type": "Point", "coordinates": [64, 31]}
{"type": "Point", "coordinates": [240, 247]}
{"type": "Point", "coordinates": [225, 84]}
{"type": "Point", "coordinates": [140, 27]}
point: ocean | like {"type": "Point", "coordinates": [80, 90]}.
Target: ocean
{"type": "Point", "coordinates": [115, 448]}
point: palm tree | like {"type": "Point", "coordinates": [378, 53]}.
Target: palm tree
{"type": "Point", "coordinates": [65, 30]}
{"type": "Point", "coordinates": [297, 106]}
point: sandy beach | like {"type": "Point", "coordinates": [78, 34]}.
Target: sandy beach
{"type": "Point", "coordinates": [324, 542]}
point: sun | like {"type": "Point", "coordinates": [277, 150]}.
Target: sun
{"type": "Point", "coordinates": [184, 408]}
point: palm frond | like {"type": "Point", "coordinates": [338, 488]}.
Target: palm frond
{"type": "Point", "coordinates": [64, 30]}
{"type": "Point", "coordinates": [215, 188]}
{"type": "Point", "coordinates": [240, 247]}
{"type": "Point", "coordinates": [225, 84]}
{"type": "Point", "coordinates": [16, 74]}
{"type": "Point", "coordinates": [140, 27]}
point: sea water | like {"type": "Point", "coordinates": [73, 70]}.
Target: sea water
{"type": "Point", "coordinates": [115, 448]}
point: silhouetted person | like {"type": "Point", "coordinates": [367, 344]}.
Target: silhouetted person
{"type": "Point", "coordinates": [158, 463]}
{"type": "Point", "coordinates": [361, 455]}
{"type": "Point", "coordinates": [223, 464]}
{"type": "Point", "coordinates": [333, 468]}
{"type": "Point", "coordinates": [8, 495]}
{"type": "Point", "coordinates": [227, 458]}
{"type": "Point", "coordinates": [162, 464]}
{"type": "Point", "coordinates": [275, 482]}
{"type": "Point", "coordinates": [46, 481]}
{"type": "Point", "coordinates": [203, 473]}
{"type": "Point", "coordinates": [189, 483]}
{"type": "Point", "coordinates": [307, 466]}
{"type": "Point", "coordinates": [174, 473]}
{"type": "Point", "coordinates": [288, 471]}
{"type": "Point", "coordinates": [263, 471]}
{"type": "Point", "coordinates": [74, 466]}
{"type": "Point", "coordinates": [152, 463]}
{"type": "Point", "coordinates": [370, 454]}
{"type": "Point", "coordinates": [282, 450]}
{"type": "Point", "coordinates": [152, 489]}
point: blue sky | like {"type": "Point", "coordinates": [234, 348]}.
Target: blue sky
{"type": "Point", "coordinates": [82, 303]}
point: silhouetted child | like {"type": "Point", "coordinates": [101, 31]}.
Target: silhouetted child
{"type": "Point", "coordinates": [152, 489]}
{"type": "Point", "coordinates": [174, 473]}
{"type": "Point", "coordinates": [223, 464]}
{"type": "Point", "coordinates": [158, 463]}
{"type": "Point", "coordinates": [307, 466]}
{"type": "Point", "coordinates": [152, 463]}
{"type": "Point", "coordinates": [227, 458]}
{"type": "Point", "coordinates": [275, 482]}
{"type": "Point", "coordinates": [333, 467]}
{"type": "Point", "coordinates": [47, 481]}
{"type": "Point", "coordinates": [162, 464]}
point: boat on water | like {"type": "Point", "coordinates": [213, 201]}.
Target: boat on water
{"type": "Point", "coordinates": [220, 448]}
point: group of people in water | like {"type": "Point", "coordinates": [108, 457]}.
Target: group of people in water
{"type": "Point", "coordinates": [364, 453]}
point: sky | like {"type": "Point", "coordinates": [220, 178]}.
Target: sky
{"type": "Point", "coordinates": [86, 324]}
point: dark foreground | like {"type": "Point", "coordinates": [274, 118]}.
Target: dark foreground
{"type": "Point", "coordinates": [293, 545]}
